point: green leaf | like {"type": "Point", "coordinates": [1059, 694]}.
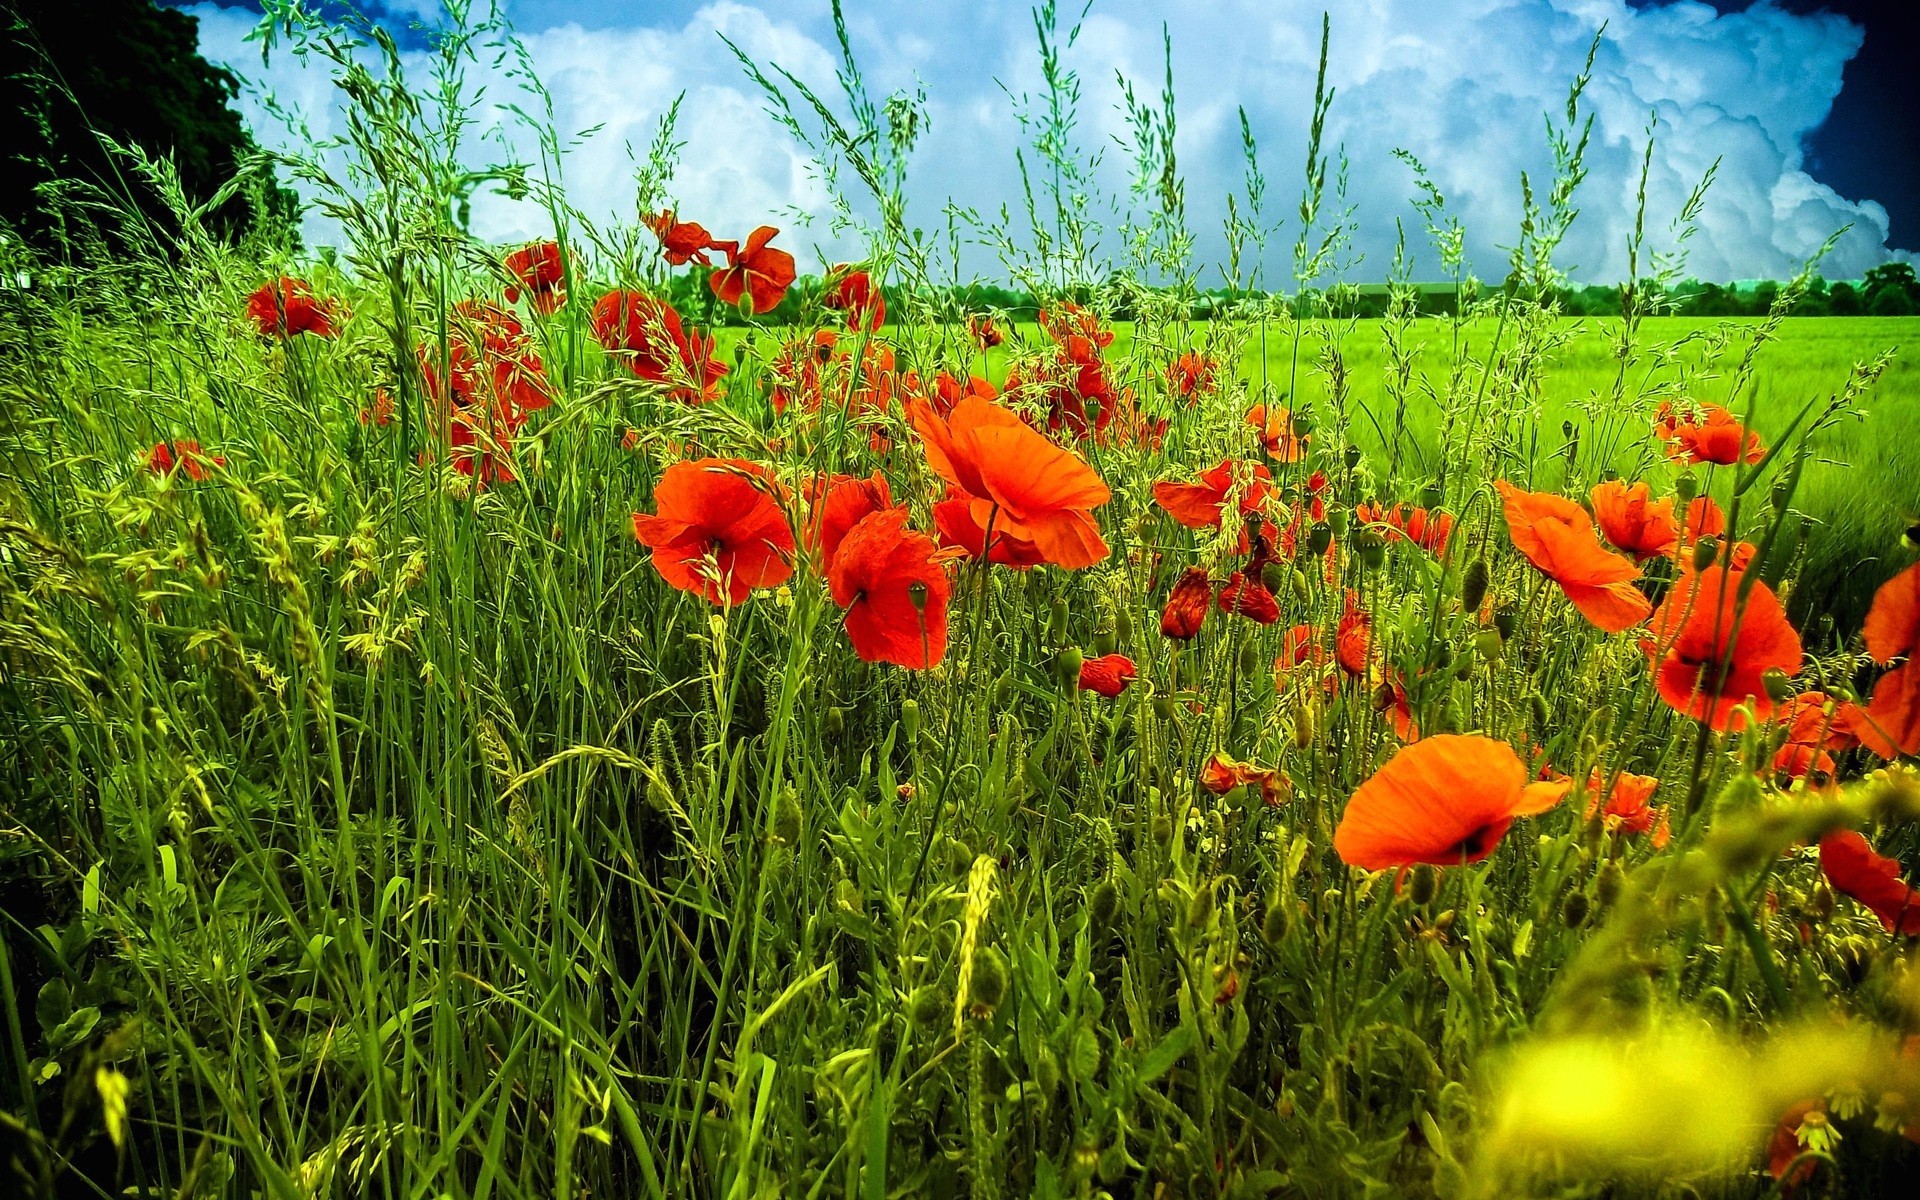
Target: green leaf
{"type": "Point", "coordinates": [1162, 1057]}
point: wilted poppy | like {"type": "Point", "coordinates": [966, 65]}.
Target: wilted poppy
{"type": "Point", "coordinates": [1708, 656]}
{"type": "Point", "coordinates": [1187, 605]}
{"type": "Point", "coordinates": [1444, 800]}
{"type": "Point", "coordinates": [1277, 433]}
{"type": "Point", "coordinates": [1221, 775]}
{"type": "Point", "coordinates": [1108, 674]}
{"type": "Point", "coordinates": [1199, 505]}
{"type": "Point", "coordinates": [1714, 435]}
{"type": "Point", "coordinates": [287, 307]}
{"type": "Point", "coordinates": [681, 241]}
{"type": "Point", "coordinates": [1250, 599]}
{"type": "Point", "coordinates": [1891, 724]}
{"type": "Point", "coordinates": [756, 270]}
{"type": "Point", "coordinates": [854, 293]}
{"type": "Point", "coordinates": [892, 583]}
{"type": "Point", "coordinates": [1018, 484]}
{"type": "Point", "coordinates": [715, 531]}
{"type": "Point", "coordinates": [538, 269]}
{"type": "Point", "coordinates": [1407, 523]}
{"type": "Point", "coordinates": [1633, 520]}
{"type": "Point", "coordinates": [1852, 867]}
{"type": "Point", "coordinates": [648, 336]}
{"type": "Point", "coordinates": [1557, 536]}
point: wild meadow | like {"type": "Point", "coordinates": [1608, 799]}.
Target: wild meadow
{"type": "Point", "coordinates": [474, 729]}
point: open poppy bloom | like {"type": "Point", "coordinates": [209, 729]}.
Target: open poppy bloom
{"type": "Point", "coordinates": [648, 336]}
{"type": "Point", "coordinates": [1187, 605]}
{"type": "Point", "coordinates": [680, 241]}
{"type": "Point", "coordinates": [1073, 385]}
{"type": "Point", "coordinates": [287, 307]}
{"type": "Point", "coordinates": [1250, 599]}
{"type": "Point", "coordinates": [984, 332]}
{"type": "Point", "coordinates": [1444, 800]}
{"type": "Point", "coordinates": [1708, 657]}
{"type": "Point", "coordinates": [841, 503]}
{"type": "Point", "coordinates": [1276, 432]}
{"type": "Point", "coordinates": [1714, 436]}
{"type": "Point", "coordinates": [949, 390]}
{"type": "Point", "coordinates": [715, 531]}
{"type": "Point", "coordinates": [1199, 505]}
{"type": "Point", "coordinates": [1191, 376]}
{"type": "Point", "coordinates": [954, 520]}
{"type": "Point", "coordinates": [1624, 807]}
{"type": "Point", "coordinates": [1108, 675]}
{"type": "Point", "coordinates": [1222, 774]}
{"type": "Point", "coordinates": [1634, 521]}
{"type": "Point", "coordinates": [892, 583]}
{"type": "Point", "coordinates": [1017, 483]}
{"type": "Point", "coordinates": [757, 271]}
{"type": "Point", "coordinates": [1557, 536]}
{"type": "Point", "coordinates": [1891, 721]}
{"type": "Point", "coordinates": [184, 455]}
{"type": "Point", "coordinates": [853, 292]}
{"type": "Point", "coordinates": [1852, 867]}
{"type": "Point", "coordinates": [1407, 523]}
{"type": "Point", "coordinates": [541, 272]}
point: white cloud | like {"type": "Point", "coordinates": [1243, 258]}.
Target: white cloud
{"type": "Point", "coordinates": [1464, 84]}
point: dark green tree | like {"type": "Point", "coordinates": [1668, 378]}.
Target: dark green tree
{"type": "Point", "coordinates": [1845, 300]}
{"type": "Point", "coordinates": [133, 73]}
{"type": "Point", "coordinates": [1890, 290]}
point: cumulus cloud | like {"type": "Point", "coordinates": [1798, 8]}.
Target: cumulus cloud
{"type": "Point", "coordinates": [1463, 84]}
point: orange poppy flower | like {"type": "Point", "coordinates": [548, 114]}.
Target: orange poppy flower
{"type": "Point", "coordinates": [1407, 523]}
{"type": "Point", "coordinates": [681, 241]}
{"type": "Point", "coordinates": [1353, 637]}
{"type": "Point", "coordinates": [185, 455]}
{"type": "Point", "coordinates": [1276, 431]}
{"type": "Point", "coordinates": [1018, 484]}
{"type": "Point", "coordinates": [715, 531]}
{"type": "Point", "coordinates": [1633, 520]}
{"type": "Point", "coordinates": [1852, 867]}
{"type": "Point", "coordinates": [287, 307]}
{"type": "Point", "coordinates": [1108, 674]}
{"type": "Point", "coordinates": [1714, 436]}
{"type": "Point", "coordinates": [1557, 536]}
{"type": "Point", "coordinates": [541, 272]}
{"type": "Point", "coordinates": [843, 502]}
{"type": "Point", "coordinates": [949, 391]}
{"type": "Point", "coordinates": [1221, 775]}
{"type": "Point", "coordinates": [1705, 663]}
{"type": "Point", "coordinates": [648, 336]}
{"type": "Point", "coordinates": [854, 292]}
{"type": "Point", "coordinates": [1187, 605]}
{"type": "Point", "coordinates": [1891, 724]}
{"type": "Point", "coordinates": [757, 270]}
{"type": "Point", "coordinates": [1191, 376]}
{"type": "Point", "coordinates": [954, 520]}
{"type": "Point", "coordinates": [1704, 519]}
{"type": "Point", "coordinates": [1199, 505]}
{"type": "Point", "coordinates": [1444, 800]}
{"type": "Point", "coordinates": [1250, 599]}
{"type": "Point", "coordinates": [1624, 807]}
{"type": "Point", "coordinates": [892, 583]}
{"type": "Point", "coordinates": [984, 332]}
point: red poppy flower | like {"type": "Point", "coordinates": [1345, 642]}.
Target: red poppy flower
{"type": "Point", "coordinates": [1874, 880]}
{"type": "Point", "coordinates": [1444, 800]}
{"type": "Point", "coordinates": [1392, 699]}
{"type": "Point", "coordinates": [648, 336]}
{"type": "Point", "coordinates": [1558, 537]}
{"type": "Point", "coordinates": [539, 269]}
{"type": "Point", "coordinates": [892, 583]}
{"type": "Point", "coordinates": [1891, 724]}
{"type": "Point", "coordinates": [1069, 322]}
{"type": "Point", "coordinates": [287, 307]}
{"type": "Point", "coordinates": [1249, 598]}
{"type": "Point", "coordinates": [984, 332]}
{"type": "Point", "coordinates": [715, 531]}
{"type": "Point", "coordinates": [184, 455]}
{"type": "Point", "coordinates": [681, 241]}
{"type": "Point", "coordinates": [1276, 432]}
{"type": "Point", "coordinates": [1191, 376]}
{"type": "Point", "coordinates": [1018, 484]}
{"type": "Point", "coordinates": [1406, 523]}
{"type": "Point", "coordinates": [1634, 521]}
{"type": "Point", "coordinates": [841, 503]}
{"type": "Point", "coordinates": [1784, 1146]}
{"type": "Point", "coordinates": [954, 520]}
{"type": "Point", "coordinates": [1705, 662]}
{"type": "Point", "coordinates": [1624, 806]}
{"type": "Point", "coordinates": [854, 292]}
{"type": "Point", "coordinates": [1221, 775]}
{"type": "Point", "coordinates": [1199, 505]}
{"type": "Point", "coordinates": [1073, 387]}
{"type": "Point", "coordinates": [1714, 436]}
{"type": "Point", "coordinates": [760, 272]}
{"type": "Point", "coordinates": [380, 412]}
{"type": "Point", "coordinates": [1187, 605]}
{"type": "Point", "coordinates": [1353, 638]}
{"type": "Point", "coordinates": [1816, 719]}
{"type": "Point", "coordinates": [1108, 675]}
{"type": "Point", "coordinates": [1704, 519]}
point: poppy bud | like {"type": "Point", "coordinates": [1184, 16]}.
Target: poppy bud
{"type": "Point", "coordinates": [1443, 655]}
{"type": "Point", "coordinates": [1778, 684]}
{"type": "Point", "coordinates": [1304, 722]}
{"type": "Point", "coordinates": [1320, 537]}
{"type": "Point", "coordinates": [989, 984]}
{"type": "Point", "coordinates": [1352, 458]}
{"type": "Point", "coordinates": [1057, 619]}
{"type": "Point", "coordinates": [659, 795]}
{"type": "Point", "coordinates": [1301, 591]}
{"type": "Point", "coordinates": [1574, 911]}
{"type": "Point", "coordinates": [1249, 657]}
{"type": "Point", "coordinates": [1067, 662]}
{"type": "Point", "coordinates": [1504, 620]}
{"type": "Point", "coordinates": [1540, 711]}
{"type": "Point", "coordinates": [959, 858]}
{"type": "Point", "coordinates": [787, 817]}
{"type": "Point", "coordinates": [910, 720]}
{"type": "Point", "coordinates": [1426, 881]}
{"type": "Point", "coordinates": [1607, 884]}
{"type": "Point", "coordinates": [836, 721]}
{"type": "Point", "coordinates": [1102, 904]}
{"type": "Point", "coordinates": [1337, 521]}
{"type": "Point", "coordinates": [1003, 690]}
{"type": "Point", "coordinates": [1200, 908]}
{"type": "Point", "coordinates": [1302, 425]}
{"type": "Point", "coordinates": [1123, 624]}
{"type": "Point", "coordinates": [1273, 923]}
{"type": "Point", "coordinates": [1186, 609]}
{"type": "Point", "coordinates": [1473, 588]}
{"type": "Point", "coordinates": [846, 894]}
{"type": "Point", "coordinates": [1704, 552]}
{"type": "Point", "coordinates": [1686, 488]}
{"type": "Point", "coordinates": [1162, 828]}
{"type": "Point", "coordinates": [1782, 492]}
{"type": "Point", "coordinates": [1274, 576]}
{"type": "Point", "coordinates": [928, 1004]}
{"type": "Point", "coordinates": [1820, 903]}
{"type": "Point", "coordinates": [745, 305]}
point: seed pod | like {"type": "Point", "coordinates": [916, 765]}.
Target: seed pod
{"type": "Point", "coordinates": [1779, 686]}
{"type": "Point", "coordinates": [910, 719]}
{"type": "Point", "coordinates": [1163, 707]}
{"type": "Point", "coordinates": [1443, 655]}
{"type": "Point", "coordinates": [1574, 911]}
{"type": "Point", "coordinates": [1373, 551]}
{"type": "Point", "coordinates": [1781, 494]}
{"type": "Point", "coordinates": [1105, 640]}
{"type": "Point", "coordinates": [1473, 588]}
{"type": "Point", "coordinates": [1820, 903]}
{"type": "Point", "coordinates": [1426, 881]}
{"type": "Point", "coordinates": [1319, 537]}
{"type": "Point", "coordinates": [1102, 904]}
{"type": "Point", "coordinates": [1505, 620]}
{"type": "Point", "coordinates": [1704, 552]}
{"type": "Point", "coordinates": [1337, 521]}
{"type": "Point", "coordinates": [1067, 662]}
{"type": "Point", "coordinates": [1432, 496]}
{"type": "Point", "coordinates": [1685, 489]}
{"type": "Point", "coordinates": [1488, 643]}
{"type": "Point", "coordinates": [1302, 425]}
{"type": "Point", "coordinates": [1352, 457]}
{"type": "Point", "coordinates": [1200, 908]}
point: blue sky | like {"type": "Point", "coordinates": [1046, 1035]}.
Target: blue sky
{"type": "Point", "coordinates": [1463, 84]}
